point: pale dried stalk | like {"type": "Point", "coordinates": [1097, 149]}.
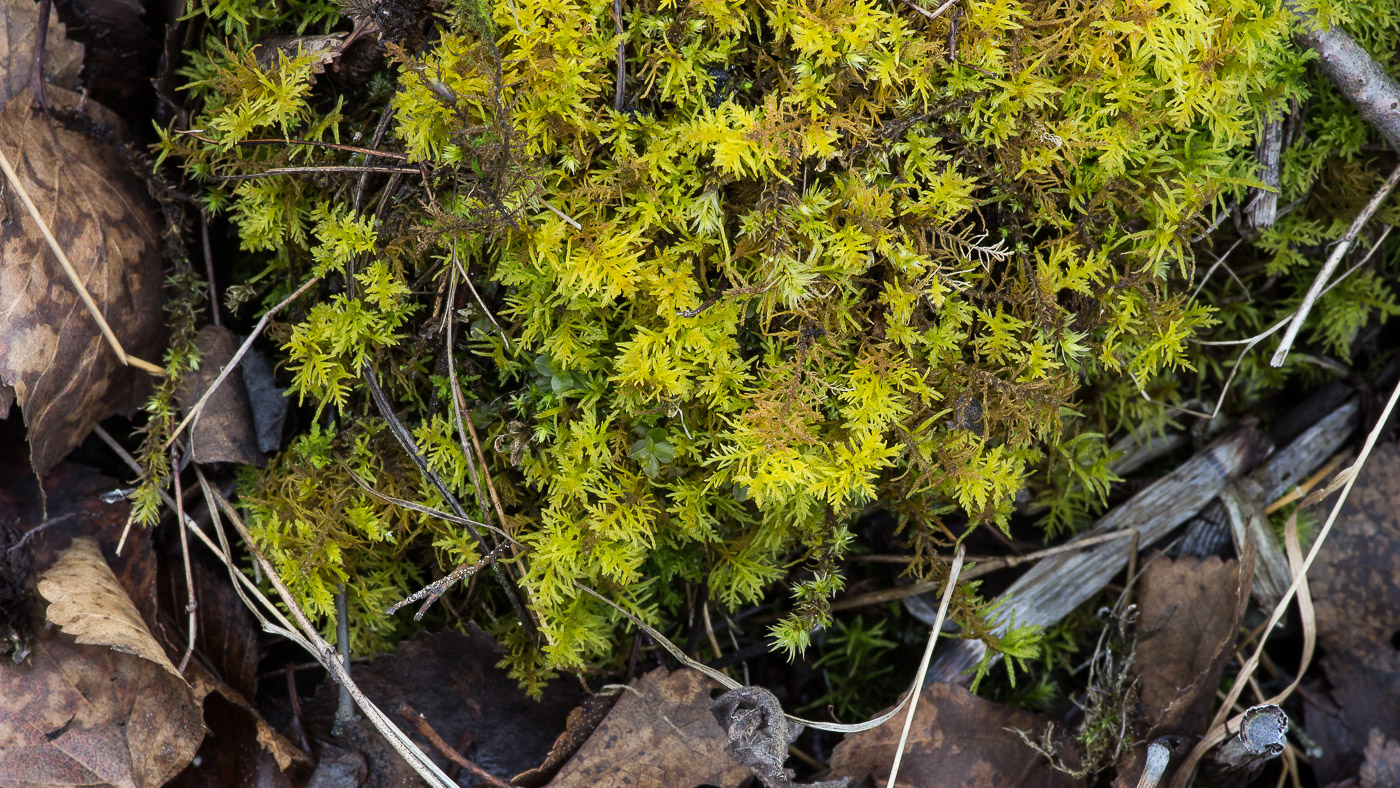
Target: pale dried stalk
{"type": "Point", "coordinates": [190, 605]}
{"type": "Point", "coordinates": [72, 273]}
{"type": "Point", "coordinates": [310, 639]}
{"type": "Point", "coordinates": [1338, 252]}
{"type": "Point", "coordinates": [923, 664]}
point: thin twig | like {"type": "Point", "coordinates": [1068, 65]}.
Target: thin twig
{"type": "Point", "coordinates": [237, 357]}
{"type": "Point", "coordinates": [1250, 343]}
{"type": "Point", "coordinates": [310, 639]}
{"type": "Point", "coordinates": [420, 508]}
{"type": "Point", "coordinates": [410, 714]}
{"type": "Point", "coordinates": [572, 222]}
{"type": "Point", "coordinates": [923, 664]}
{"type": "Point", "coordinates": [313, 143]}
{"type": "Point", "coordinates": [72, 273]}
{"type": "Point", "coordinates": [1338, 253]}
{"type": "Point", "coordinates": [318, 170]}
{"type": "Point", "coordinates": [209, 267]}
{"type": "Point", "coordinates": [436, 588]}
{"type": "Point", "coordinates": [345, 709]}
{"type": "Point", "coordinates": [930, 14]}
{"type": "Point", "coordinates": [981, 566]}
{"type": "Point", "coordinates": [411, 448]}
{"type": "Point", "coordinates": [621, 57]}
{"type": "Point", "coordinates": [462, 269]}
{"type": "Point", "coordinates": [190, 605]}
{"type": "Point", "coordinates": [36, 78]}
{"type": "Point", "coordinates": [222, 554]}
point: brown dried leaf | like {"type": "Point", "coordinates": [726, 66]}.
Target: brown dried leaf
{"type": "Point", "coordinates": [957, 741]}
{"type": "Point", "coordinates": [52, 352]}
{"type": "Point", "coordinates": [90, 714]}
{"type": "Point", "coordinates": [76, 507]}
{"type": "Point", "coordinates": [86, 601]}
{"type": "Point", "coordinates": [19, 28]}
{"type": "Point", "coordinates": [1356, 593]}
{"type": "Point", "coordinates": [87, 715]}
{"type": "Point", "coordinates": [660, 733]}
{"type": "Point", "coordinates": [224, 431]}
{"type": "Point", "coordinates": [1187, 621]}
{"type": "Point", "coordinates": [1382, 766]}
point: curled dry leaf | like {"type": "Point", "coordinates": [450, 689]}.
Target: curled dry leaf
{"type": "Point", "coordinates": [79, 714]}
{"type": "Point", "coordinates": [19, 29]}
{"type": "Point", "coordinates": [87, 602]}
{"type": "Point", "coordinates": [52, 351]}
{"type": "Point", "coordinates": [661, 733]}
{"type": "Point", "coordinates": [224, 431]}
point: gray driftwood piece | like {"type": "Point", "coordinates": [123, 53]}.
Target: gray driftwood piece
{"type": "Point", "coordinates": [1263, 209]}
{"type": "Point", "coordinates": [1057, 585]}
{"type": "Point", "coordinates": [1245, 500]}
{"type": "Point", "coordinates": [1052, 588]}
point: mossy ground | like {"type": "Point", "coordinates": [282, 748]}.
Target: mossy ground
{"type": "Point", "coordinates": [803, 261]}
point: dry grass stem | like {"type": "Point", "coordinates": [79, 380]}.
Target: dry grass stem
{"type": "Point", "coordinates": [1333, 260]}
{"type": "Point", "coordinates": [923, 664]}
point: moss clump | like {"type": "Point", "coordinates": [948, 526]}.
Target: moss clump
{"type": "Point", "coordinates": [807, 258]}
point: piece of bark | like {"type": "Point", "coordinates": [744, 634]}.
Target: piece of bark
{"type": "Point", "coordinates": [1244, 505]}
{"type": "Point", "coordinates": [1046, 595]}
{"type": "Point", "coordinates": [1051, 589]}
{"type": "Point", "coordinates": [1263, 208]}
{"type": "Point", "coordinates": [224, 431]}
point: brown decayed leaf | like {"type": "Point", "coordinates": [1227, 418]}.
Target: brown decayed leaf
{"type": "Point", "coordinates": [224, 431]}
{"type": "Point", "coordinates": [1356, 593]}
{"type": "Point", "coordinates": [19, 27]}
{"type": "Point", "coordinates": [84, 715]}
{"type": "Point", "coordinates": [1188, 618]}
{"type": "Point", "coordinates": [660, 733]}
{"type": "Point", "coordinates": [1382, 766]}
{"type": "Point", "coordinates": [86, 601]}
{"type": "Point", "coordinates": [957, 741]}
{"type": "Point", "coordinates": [78, 714]}
{"type": "Point", "coordinates": [52, 352]}
{"type": "Point", "coordinates": [75, 508]}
